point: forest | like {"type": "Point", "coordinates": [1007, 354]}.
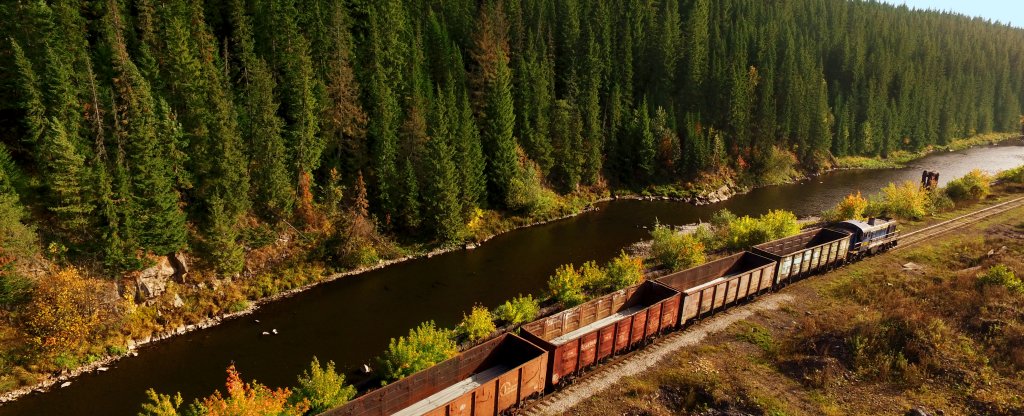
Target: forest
{"type": "Point", "coordinates": [132, 129]}
{"type": "Point", "coordinates": [139, 126]}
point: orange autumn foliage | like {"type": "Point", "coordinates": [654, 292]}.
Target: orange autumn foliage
{"type": "Point", "coordinates": [66, 310]}
{"type": "Point", "coordinates": [249, 399]}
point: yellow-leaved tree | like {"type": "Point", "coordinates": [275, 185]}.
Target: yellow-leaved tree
{"type": "Point", "coordinates": [66, 309]}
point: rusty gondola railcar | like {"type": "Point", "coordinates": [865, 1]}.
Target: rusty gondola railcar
{"type": "Point", "coordinates": [712, 286]}
{"type": "Point", "coordinates": [583, 335]}
{"type": "Point", "coordinates": [806, 253]}
{"type": "Point", "coordinates": [485, 380]}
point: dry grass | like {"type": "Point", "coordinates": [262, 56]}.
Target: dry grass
{"type": "Point", "coordinates": [869, 339]}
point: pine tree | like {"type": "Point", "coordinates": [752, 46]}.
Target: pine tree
{"type": "Point", "coordinates": [441, 190]}
{"type": "Point", "coordinates": [590, 114]}
{"type": "Point", "coordinates": [7, 179]}
{"type": "Point", "coordinates": [409, 202]}
{"type": "Point", "coordinates": [65, 174]}
{"type": "Point", "coordinates": [262, 128]}
{"type": "Point", "coordinates": [470, 160]}
{"type": "Point", "coordinates": [497, 133]}
{"type": "Point", "coordinates": [384, 131]}
{"type": "Point", "coordinates": [345, 120]}
{"type": "Point", "coordinates": [35, 110]}
{"type": "Point", "coordinates": [697, 39]}
{"type": "Point", "coordinates": [298, 83]}
{"type": "Point", "coordinates": [567, 141]}
{"type": "Point", "coordinates": [200, 97]}
{"type": "Point", "coordinates": [225, 254]}
{"type": "Point", "coordinates": [643, 138]}
{"type": "Point", "coordinates": [670, 45]}
{"type": "Point", "coordinates": [62, 96]}
{"type": "Point", "coordinates": [155, 216]}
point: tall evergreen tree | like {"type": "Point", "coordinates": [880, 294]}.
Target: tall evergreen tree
{"type": "Point", "coordinates": [298, 84]}
{"type": "Point", "coordinates": [497, 133]}
{"type": "Point", "coordinates": [65, 175]}
{"type": "Point", "coordinates": [35, 110]}
{"type": "Point", "coordinates": [261, 125]}
{"type": "Point", "coordinates": [441, 190]}
{"type": "Point", "coordinates": [643, 139]}
{"type": "Point", "coordinates": [156, 216]}
{"type": "Point", "coordinates": [567, 143]}
{"type": "Point", "coordinates": [470, 159]}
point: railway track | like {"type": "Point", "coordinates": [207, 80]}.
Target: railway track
{"type": "Point", "coordinates": [641, 359]}
{"type": "Point", "coordinates": [933, 230]}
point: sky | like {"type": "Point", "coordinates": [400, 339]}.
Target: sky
{"type": "Point", "coordinates": [1006, 11]}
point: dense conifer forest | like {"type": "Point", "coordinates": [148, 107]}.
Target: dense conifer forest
{"type": "Point", "coordinates": [135, 127]}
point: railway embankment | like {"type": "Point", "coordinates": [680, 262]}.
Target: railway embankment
{"type": "Point", "coordinates": [935, 327]}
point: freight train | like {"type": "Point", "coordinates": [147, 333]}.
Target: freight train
{"type": "Point", "coordinates": [499, 375]}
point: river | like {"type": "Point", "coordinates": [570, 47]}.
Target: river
{"type": "Point", "coordinates": [351, 320]}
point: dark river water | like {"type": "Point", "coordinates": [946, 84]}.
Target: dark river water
{"type": "Point", "coordinates": [350, 320]}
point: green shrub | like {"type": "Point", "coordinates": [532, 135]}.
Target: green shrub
{"type": "Point", "coordinates": [15, 288]}
{"type": "Point", "coordinates": [1001, 275]}
{"type": "Point", "coordinates": [722, 218]}
{"type": "Point", "coordinates": [477, 325]}
{"type": "Point", "coordinates": [905, 201]}
{"type": "Point", "coordinates": [746, 231]}
{"type": "Point", "coordinates": [17, 239]}
{"type": "Point", "coordinates": [973, 186]}
{"type": "Point", "coordinates": [566, 286]}
{"type": "Point", "coordinates": [594, 278]}
{"type": "Point", "coordinates": [624, 271]}
{"type": "Point", "coordinates": [322, 388]}
{"type": "Point", "coordinates": [1015, 175]}
{"type": "Point", "coordinates": [676, 250]}
{"type": "Point", "coordinates": [518, 310]}
{"type": "Point", "coordinates": [779, 223]}
{"type": "Point", "coordinates": [425, 346]}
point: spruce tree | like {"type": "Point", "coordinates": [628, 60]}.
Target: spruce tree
{"type": "Point", "coordinates": [409, 200]}
{"type": "Point", "coordinates": [643, 139]}
{"type": "Point", "coordinates": [441, 190]}
{"type": "Point", "coordinates": [470, 160]}
{"type": "Point", "coordinates": [154, 214]}
{"type": "Point", "coordinates": [65, 176]}
{"type": "Point", "coordinates": [223, 251]}
{"type": "Point", "coordinates": [497, 133]}
{"type": "Point", "coordinates": [344, 121]}
{"type": "Point", "coordinates": [32, 101]}
{"type": "Point", "coordinates": [567, 141]}
{"type": "Point", "coordinates": [298, 85]}
{"type": "Point", "coordinates": [384, 130]}
{"type": "Point", "coordinates": [271, 186]}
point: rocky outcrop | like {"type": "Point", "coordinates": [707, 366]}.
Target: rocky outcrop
{"type": "Point", "coordinates": [721, 194]}
{"type": "Point", "coordinates": [152, 282]}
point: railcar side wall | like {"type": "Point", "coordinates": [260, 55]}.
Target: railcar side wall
{"type": "Point", "coordinates": [806, 253]}
{"type": "Point", "coordinates": [658, 310]}
{"type": "Point", "coordinates": [526, 376]}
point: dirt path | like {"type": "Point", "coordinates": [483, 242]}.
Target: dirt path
{"type": "Point", "coordinates": [560, 402]}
